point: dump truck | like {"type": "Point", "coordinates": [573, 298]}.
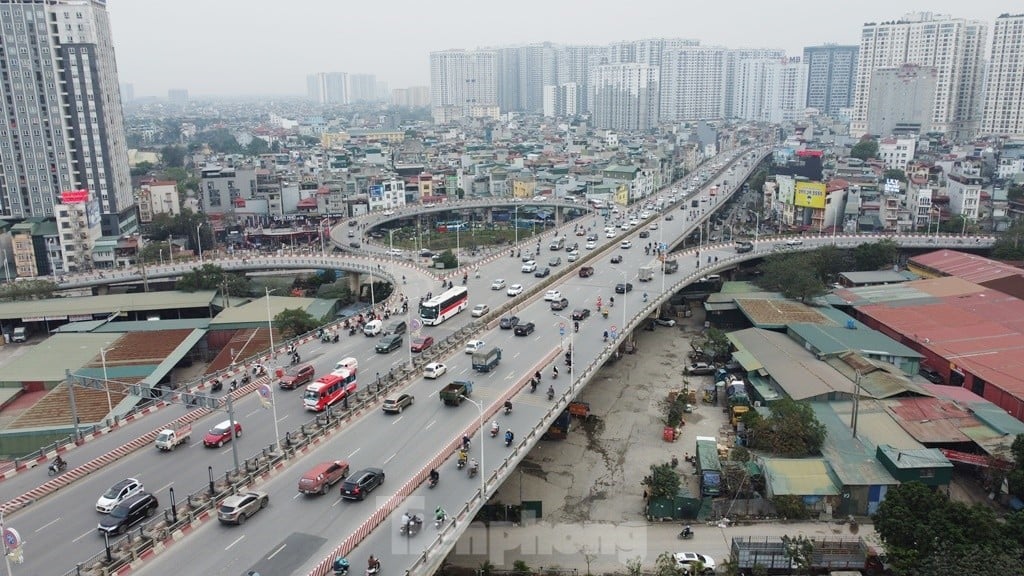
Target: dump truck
{"type": "Point", "coordinates": [485, 360]}
{"type": "Point", "coordinates": [828, 555]}
{"type": "Point", "coordinates": [671, 266]}
{"type": "Point", "coordinates": [646, 274]}
{"type": "Point", "coordinates": [454, 393]}
{"type": "Point", "coordinates": [708, 466]}
{"type": "Point", "coordinates": [169, 438]}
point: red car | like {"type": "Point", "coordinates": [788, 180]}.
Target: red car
{"type": "Point", "coordinates": [421, 343]}
{"type": "Point", "coordinates": [221, 433]}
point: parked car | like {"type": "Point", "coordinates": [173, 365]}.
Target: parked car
{"type": "Point", "coordinates": [221, 433]}
{"type": "Point", "coordinates": [498, 284]}
{"type": "Point", "coordinates": [421, 343]}
{"type": "Point", "coordinates": [508, 322]}
{"type": "Point", "coordinates": [581, 314]}
{"type": "Point", "coordinates": [560, 304]}
{"type": "Point", "coordinates": [665, 321]}
{"type": "Point", "coordinates": [514, 290]}
{"type": "Point", "coordinates": [687, 562]}
{"type": "Point", "coordinates": [320, 478]}
{"type": "Point", "coordinates": [542, 273]}
{"type": "Point", "coordinates": [395, 404]}
{"type": "Point", "coordinates": [480, 309]}
{"type": "Point", "coordinates": [524, 329]}
{"type": "Point", "coordinates": [621, 288]}
{"type": "Point", "coordinates": [242, 506]}
{"type": "Point", "coordinates": [129, 512]}
{"type": "Point", "coordinates": [700, 369]}
{"type": "Point", "coordinates": [362, 483]}
{"type": "Point", "coordinates": [118, 493]}
{"type": "Point", "coordinates": [434, 370]}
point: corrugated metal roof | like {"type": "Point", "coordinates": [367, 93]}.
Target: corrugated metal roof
{"type": "Point", "coordinates": [256, 310]}
{"type": "Point", "coordinates": [47, 361]}
{"type": "Point", "coordinates": [105, 304]}
{"type": "Point", "coordinates": [970, 267]}
{"type": "Point", "coordinates": [799, 477]}
{"type": "Point", "coordinates": [920, 458]}
{"type": "Point", "coordinates": [932, 420]}
{"type": "Point", "coordinates": [851, 460]}
{"type": "Point", "coordinates": [798, 372]}
{"type": "Point", "coordinates": [778, 313]}
{"type": "Point", "coordinates": [876, 277]}
{"type": "Point", "coordinates": [877, 379]}
{"type": "Point", "coordinates": [836, 339]}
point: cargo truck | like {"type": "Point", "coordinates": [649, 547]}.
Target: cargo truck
{"type": "Point", "coordinates": [708, 467]}
{"type": "Point", "coordinates": [768, 555]}
{"type": "Point", "coordinates": [671, 266]}
{"type": "Point", "coordinates": [168, 439]}
{"type": "Point", "coordinates": [646, 274]}
{"type": "Point", "coordinates": [486, 360]}
{"type": "Point", "coordinates": [454, 393]}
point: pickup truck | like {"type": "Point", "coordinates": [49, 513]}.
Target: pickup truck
{"type": "Point", "coordinates": [486, 360]}
{"type": "Point", "coordinates": [452, 394]}
{"type": "Point", "coordinates": [169, 438]}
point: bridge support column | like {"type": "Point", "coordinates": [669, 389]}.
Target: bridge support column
{"type": "Point", "coordinates": [353, 282]}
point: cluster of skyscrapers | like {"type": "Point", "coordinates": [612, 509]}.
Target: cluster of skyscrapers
{"type": "Point", "coordinates": [922, 73]}
{"type": "Point", "coordinates": [344, 88]}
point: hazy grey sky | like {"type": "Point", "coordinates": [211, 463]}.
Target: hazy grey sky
{"type": "Point", "coordinates": [234, 47]}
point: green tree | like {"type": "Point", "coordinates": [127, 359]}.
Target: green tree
{"type": "Point", "coordinates": [663, 481]}
{"type": "Point", "coordinates": [448, 259]}
{"type": "Point", "coordinates": [1015, 192]}
{"type": "Point", "coordinates": [212, 277]}
{"type": "Point", "coordinates": [793, 275]}
{"type": "Point", "coordinates": [292, 322]}
{"type": "Point", "coordinates": [220, 140]}
{"type": "Point", "coordinates": [714, 342]}
{"type": "Point", "coordinates": [876, 255]}
{"type": "Point", "coordinates": [154, 252]}
{"type": "Point", "coordinates": [173, 156]}
{"type": "Point", "coordinates": [336, 291]}
{"type": "Point", "coordinates": [257, 146]}
{"type": "Point", "coordinates": [800, 552]}
{"type": "Point", "coordinates": [142, 168]}
{"type": "Point", "coordinates": [757, 181]}
{"type": "Point", "coordinates": [865, 149]}
{"type": "Point", "coordinates": [1015, 478]}
{"type": "Point", "coordinates": [1010, 245]}
{"type": "Point", "coordinates": [666, 565]}
{"type": "Point", "coordinates": [895, 174]}
{"type": "Point", "coordinates": [34, 289]}
{"type": "Point", "coordinates": [791, 430]}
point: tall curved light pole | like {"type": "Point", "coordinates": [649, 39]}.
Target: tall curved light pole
{"type": "Point", "coordinates": [199, 242]}
{"type": "Point", "coordinates": [270, 370]}
{"type": "Point", "coordinates": [483, 475]}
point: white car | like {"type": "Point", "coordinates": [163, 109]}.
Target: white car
{"type": "Point", "coordinates": [653, 226]}
{"type": "Point", "coordinates": [529, 266]}
{"type": "Point", "coordinates": [610, 234]}
{"type": "Point", "coordinates": [573, 256]}
{"type": "Point", "coordinates": [626, 244]}
{"type": "Point", "coordinates": [591, 245]}
{"type": "Point", "coordinates": [552, 295]}
{"type": "Point", "coordinates": [474, 346]}
{"type": "Point", "coordinates": [645, 215]}
{"type": "Point", "coordinates": [434, 370]}
{"type": "Point", "coordinates": [514, 290]}
{"type": "Point", "coordinates": [389, 212]}
{"type": "Point", "coordinates": [395, 252]}
{"type": "Point", "coordinates": [118, 493]}
{"type": "Point", "coordinates": [480, 309]}
{"type": "Point", "coordinates": [498, 284]}
{"type": "Point", "coordinates": [624, 226]}
{"type": "Point", "coordinates": [794, 242]}
{"type": "Point", "coordinates": [686, 561]}
{"type": "Point", "coordinates": [633, 221]}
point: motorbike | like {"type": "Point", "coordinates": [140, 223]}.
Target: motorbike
{"type": "Point", "coordinates": [412, 528]}
{"type": "Point", "coordinates": [473, 470]}
{"type": "Point", "coordinates": [217, 386]}
{"type": "Point", "coordinates": [336, 338]}
{"type": "Point", "coordinates": [340, 566]}
{"type": "Point", "coordinates": [433, 482]}
{"type": "Point", "coordinates": [57, 467]}
{"type": "Point", "coordinates": [461, 464]}
{"type": "Point", "coordinates": [508, 410]}
{"type": "Point", "coordinates": [494, 432]}
{"type": "Point", "coordinates": [373, 571]}
{"type": "Point", "coordinates": [438, 521]}
{"type": "Point", "coordinates": [551, 393]}
{"type": "Point", "coordinates": [533, 385]}
{"type": "Point", "coordinates": [686, 534]}
{"type": "Point", "coordinates": [352, 330]}
{"type": "Point", "coordinates": [554, 374]}
{"type": "Point", "coordinates": [508, 441]}
{"type": "Point", "coordinates": [296, 359]}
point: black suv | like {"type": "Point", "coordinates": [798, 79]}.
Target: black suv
{"type": "Point", "coordinates": [358, 485]}
{"type": "Point", "coordinates": [128, 512]}
{"type": "Point", "coordinates": [524, 329]}
{"type": "Point", "coordinates": [621, 288]}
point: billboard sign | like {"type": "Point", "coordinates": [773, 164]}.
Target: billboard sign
{"type": "Point", "coordinates": [809, 195]}
{"type": "Point", "coordinates": [74, 196]}
{"type": "Point", "coordinates": [92, 214]}
{"type": "Point", "coordinates": [376, 192]}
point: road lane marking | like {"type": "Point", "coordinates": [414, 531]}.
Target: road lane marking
{"type": "Point", "coordinates": [427, 427]}
{"type": "Point", "coordinates": [338, 501]}
{"type": "Point", "coordinates": [397, 420]}
{"type": "Point", "coordinates": [282, 418]}
{"type": "Point", "coordinates": [44, 526]}
{"type": "Point", "coordinates": [83, 536]}
{"type": "Point", "coordinates": [354, 453]}
{"type": "Point", "coordinates": [253, 413]}
{"type": "Point", "coordinates": [161, 489]}
{"type": "Point", "coordinates": [276, 552]}
{"type": "Point", "coordinates": [239, 539]}
{"type": "Point", "coordinates": [297, 495]}
{"type": "Point", "coordinates": [390, 457]}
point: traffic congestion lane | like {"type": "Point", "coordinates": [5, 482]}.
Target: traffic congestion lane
{"type": "Point", "coordinates": [399, 444]}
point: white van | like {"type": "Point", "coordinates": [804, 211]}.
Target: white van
{"type": "Point", "coordinates": [373, 328]}
{"type": "Point", "coordinates": [350, 364]}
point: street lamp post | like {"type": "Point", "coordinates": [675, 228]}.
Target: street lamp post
{"type": "Point", "coordinates": [273, 402]}
{"type": "Point", "coordinates": [625, 282]}
{"type": "Point", "coordinates": [199, 241]}
{"type": "Point", "coordinates": [483, 481]}
{"type": "Point", "coordinates": [572, 349]}
{"type": "Point", "coordinates": [516, 224]}
{"type": "Point", "coordinates": [106, 383]}
{"type": "Point", "coordinates": [323, 239]}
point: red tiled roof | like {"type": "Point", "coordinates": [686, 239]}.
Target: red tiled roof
{"type": "Point", "coordinates": [306, 203]}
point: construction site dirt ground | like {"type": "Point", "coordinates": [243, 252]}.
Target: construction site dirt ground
{"type": "Point", "coordinates": [596, 474]}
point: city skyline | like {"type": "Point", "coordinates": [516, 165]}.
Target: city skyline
{"type": "Point", "coordinates": [271, 51]}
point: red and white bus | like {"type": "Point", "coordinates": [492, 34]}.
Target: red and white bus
{"type": "Point", "coordinates": [440, 308]}
{"type": "Point", "coordinates": [329, 389]}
